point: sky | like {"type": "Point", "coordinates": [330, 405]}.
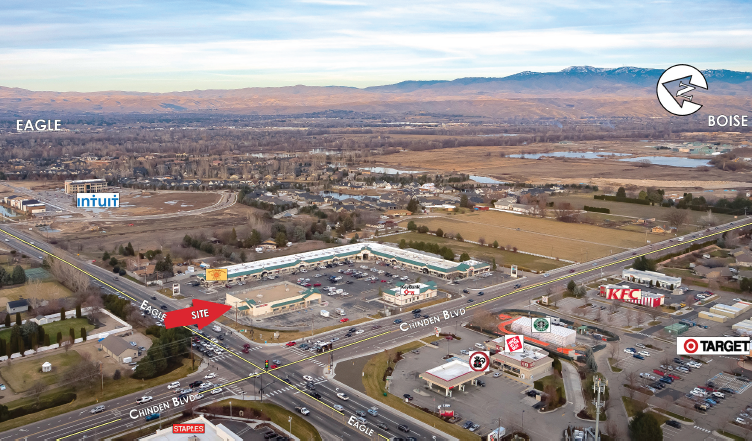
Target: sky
{"type": "Point", "coordinates": [162, 46]}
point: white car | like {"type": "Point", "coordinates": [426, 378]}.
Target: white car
{"type": "Point", "coordinates": [359, 332]}
{"type": "Point", "coordinates": [206, 385]}
{"type": "Point", "coordinates": [651, 388]}
{"type": "Point", "coordinates": [338, 407]}
{"type": "Point", "coordinates": [210, 376]}
{"type": "Point", "coordinates": [308, 378]}
{"type": "Point", "coordinates": [303, 410]}
{"type": "Point", "coordinates": [629, 351]}
{"type": "Point", "coordinates": [143, 399]}
{"type": "Point", "coordinates": [216, 391]}
{"type": "Point", "coordinates": [343, 396]}
{"type": "Point", "coordinates": [644, 353]}
{"type": "Point", "coordinates": [198, 397]}
{"type": "Point", "coordinates": [741, 421]}
{"type": "Point", "coordinates": [718, 394]}
{"type": "Point", "coordinates": [640, 345]}
{"type": "Point", "coordinates": [175, 384]}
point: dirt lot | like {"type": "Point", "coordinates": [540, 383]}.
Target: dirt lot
{"type": "Point", "coordinates": [46, 290]}
{"type": "Point", "coordinates": [487, 161]}
{"type": "Point", "coordinates": [151, 203]}
{"type": "Point", "coordinates": [577, 242]}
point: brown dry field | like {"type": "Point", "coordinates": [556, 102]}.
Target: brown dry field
{"type": "Point", "coordinates": [576, 242]}
{"type": "Point", "coordinates": [486, 161]}
{"type": "Point", "coordinates": [154, 203]}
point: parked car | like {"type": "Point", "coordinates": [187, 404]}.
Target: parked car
{"type": "Point", "coordinates": [673, 423]}
{"type": "Point", "coordinates": [638, 356]}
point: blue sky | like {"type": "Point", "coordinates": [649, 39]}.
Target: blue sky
{"type": "Point", "coordinates": [160, 46]}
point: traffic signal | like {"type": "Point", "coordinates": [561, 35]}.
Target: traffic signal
{"type": "Point", "coordinates": [266, 364]}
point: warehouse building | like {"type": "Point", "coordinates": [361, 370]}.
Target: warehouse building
{"type": "Point", "coordinates": [416, 261]}
{"type": "Point", "coordinates": [85, 186]}
{"type": "Point", "coordinates": [118, 348]}
{"type": "Point", "coordinates": [559, 336]}
{"type": "Point", "coordinates": [646, 277]}
{"type": "Point", "coordinates": [405, 294]}
{"type": "Point", "coordinates": [272, 299]}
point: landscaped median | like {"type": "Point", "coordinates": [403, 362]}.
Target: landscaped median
{"type": "Point", "coordinates": [262, 335]}
{"type": "Point", "coordinates": [264, 411]}
{"type": "Point", "coordinates": [375, 372]}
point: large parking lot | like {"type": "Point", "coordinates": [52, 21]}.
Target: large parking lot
{"type": "Point", "coordinates": [480, 405]}
{"type": "Point", "coordinates": [356, 292]}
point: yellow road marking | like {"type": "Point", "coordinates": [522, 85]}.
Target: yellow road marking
{"type": "Point", "coordinates": [88, 429]}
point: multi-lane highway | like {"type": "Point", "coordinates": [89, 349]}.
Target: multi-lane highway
{"type": "Point", "coordinates": [239, 368]}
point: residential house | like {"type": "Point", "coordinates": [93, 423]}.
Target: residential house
{"type": "Point", "coordinates": [118, 348]}
{"type": "Point", "coordinates": [744, 259]}
{"type": "Point", "coordinates": [396, 213]}
{"type": "Point", "coordinates": [713, 273]}
{"type": "Point", "coordinates": [269, 244]}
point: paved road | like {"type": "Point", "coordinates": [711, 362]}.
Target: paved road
{"type": "Point", "coordinates": [289, 394]}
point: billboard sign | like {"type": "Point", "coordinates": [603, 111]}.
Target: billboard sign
{"type": "Point", "coordinates": [216, 274]}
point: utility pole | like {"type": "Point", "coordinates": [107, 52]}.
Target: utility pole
{"type": "Point", "coordinates": [599, 386]}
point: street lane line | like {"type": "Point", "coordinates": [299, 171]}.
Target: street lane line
{"type": "Point", "coordinates": [88, 429]}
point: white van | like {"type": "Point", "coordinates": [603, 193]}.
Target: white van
{"type": "Point", "coordinates": [175, 384]}
{"type": "Point", "coordinates": [479, 346]}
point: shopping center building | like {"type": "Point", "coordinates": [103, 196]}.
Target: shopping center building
{"type": "Point", "coordinates": [414, 260]}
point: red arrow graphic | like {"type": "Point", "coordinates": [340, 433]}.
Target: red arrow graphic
{"type": "Point", "coordinates": [202, 314]}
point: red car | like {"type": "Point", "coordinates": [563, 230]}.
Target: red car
{"type": "Point", "coordinates": [449, 338]}
{"type": "Point", "coordinates": [673, 376]}
{"type": "Point", "coordinates": [343, 320]}
{"type": "Point", "coordinates": [245, 350]}
{"type": "Point", "coordinates": [273, 367]}
{"type": "Point", "coordinates": [318, 284]}
{"type": "Point", "coordinates": [246, 345]}
{"type": "Point", "coordinates": [383, 280]}
{"type": "Point", "coordinates": [290, 344]}
{"type": "Point", "coordinates": [307, 284]}
{"type": "Point", "coordinates": [658, 372]}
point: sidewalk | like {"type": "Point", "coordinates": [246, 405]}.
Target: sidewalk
{"type": "Point", "coordinates": [572, 386]}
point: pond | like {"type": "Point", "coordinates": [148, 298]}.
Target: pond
{"type": "Point", "coordinates": [344, 196]}
{"type": "Point", "coordinates": [390, 171]}
{"type": "Point", "coordinates": [485, 180]}
{"type": "Point", "coordinates": [671, 161]}
{"type": "Point", "coordinates": [587, 155]}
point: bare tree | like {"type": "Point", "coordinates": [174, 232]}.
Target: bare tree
{"type": "Point", "coordinates": [95, 304]}
{"type": "Point", "coordinates": [566, 212]}
{"type": "Point", "coordinates": [629, 316]}
{"type": "Point", "coordinates": [640, 317]}
{"type": "Point", "coordinates": [677, 217]}
{"type": "Point", "coordinates": [36, 390]}
{"type": "Point", "coordinates": [614, 307]}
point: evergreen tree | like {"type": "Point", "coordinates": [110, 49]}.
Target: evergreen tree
{"type": "Point", "coordinates": [243, 256]}
{"type": "Point", "coordinates": [40, 334]}
{"type": "Point", "coordinates": [72, 335]}
{"type": "Point", "coordinates": [464, 257]}
{"type": "Point", "coordinates": [78, 310]}
{"type": "Point", "coordinates": [21, 348]}
{"type": "Point", "coordinates": [4, 413]}
{"type": "Point", "coordinates": [83, 333]}
{"type": "Point", "coordinates": [2, 346]}
{"type": "Point", "coordinates": [412, 226]}
{"type": "Point", "coordinates": [233, 236]}
{"type": "Point", "coordinates": [113, 261]}
{"type": "Point", "coordinates": [403, 244]}
{"type": "Point", "coordinates": [645, 427]}
{"type": "Point", "coordinates": [493, 263]}
{"type": "Point", "coordinates": [439, 233]}
{"type": "Point", "coordinates": [12, 347]}
{"type": "Point", "coordinates": [459, 238]}
{"type": "Point", "coordinates": [281, 239]}
{"type": "Point", "coordinates": [62, 313]}
{"type": "Point", "coordinates": [7, 321]}
{"type": "Point", "coordinates": [59, 337]}
{"type": "Point", "coordinates": [571, 285]}
{"type": "Point", "coordinates": [105, 256]}
{"type": "Point", "coordinates": [129, 250]}
{"type": "Point", "coordinates": [19, 276]}
{"type": "Point", "coordinates": [34, 344]}
{"type": "Point", "coordinates": [121, 250]}
{"type": "Point", "coordinates": [590, 361]}
{"type": "Point", "coordinates": [463, 201]}
{"type": "Point", "coordinates": [18, 318]}
{"type": "Point", "coordinates": [413, 205]}
{"type": "Point", "coordinates": [4, 277]}
{"type": "Point", "coordinates": [496, 244]}
{"type": "Point", "coordinates": [621, 193]}
{"type": "Point", "coordinates": [46, 340]}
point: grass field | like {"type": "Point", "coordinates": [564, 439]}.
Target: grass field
{"type": "Point", "coordinates": [112, 389]}
{"type": "Point", "coordinates": [375, 388]}
{"type": "Point", "coordinates": [484, 253]}
{"type": "Point", "coordinates": [300, 427]}
{"type": "Point", "coordinates": [47, 290]}
{"type": "Point", "coordinates": [577, 242]}
{"type": "Point", "coordinates": [634, 210]}
{"type": "Point", "coordinates": [57, 326]}
{"type": "Point", "coordinates": [23, 374]}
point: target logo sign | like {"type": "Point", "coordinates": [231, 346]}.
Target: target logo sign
{"type": "Point", "coordinates": [479, 361]}
{"type": "Point", "coordinates": [727, 346]}
{"type": "Point", "coordinates": [690, 346]}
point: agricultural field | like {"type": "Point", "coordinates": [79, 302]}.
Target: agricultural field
{"type": "Point", "coordinates": [619, 210]}
{"type": "Point", "coordinates": [572, 241]}
{"type": "Point", "coordinates": [503, 257]}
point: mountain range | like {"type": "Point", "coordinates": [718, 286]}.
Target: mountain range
{"type": "Point", "coordinates": [575, 92]}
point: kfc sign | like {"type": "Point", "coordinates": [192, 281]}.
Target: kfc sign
{"type": "Point", "coordinates": [622, 293]}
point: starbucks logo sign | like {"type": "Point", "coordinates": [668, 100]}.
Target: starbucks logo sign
{"type": "Point", "coordinates": [541, 325]}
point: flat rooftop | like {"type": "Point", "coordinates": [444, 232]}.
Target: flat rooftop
{"type": "Point", "coordinates": [271, 292]}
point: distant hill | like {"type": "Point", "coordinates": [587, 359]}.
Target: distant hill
{"type": "Point", "coordinates": [577, 91]}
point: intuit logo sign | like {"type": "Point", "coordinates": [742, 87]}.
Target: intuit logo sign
{"type": "Point", "coordinates": [98, 200]}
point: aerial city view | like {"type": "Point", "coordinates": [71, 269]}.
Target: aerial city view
{"type": "Point", "coordinates": [340, 220]}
